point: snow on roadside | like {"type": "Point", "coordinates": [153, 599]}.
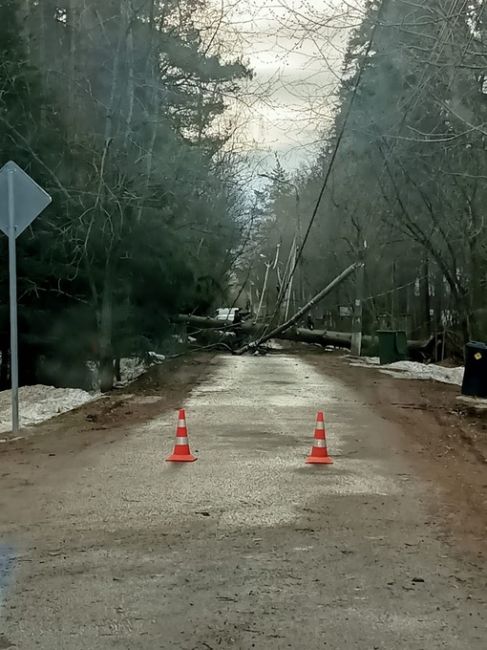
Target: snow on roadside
{"type": "Point", "coordinates": [130, 369]}
{"type": "Point", "coordinates": [38, 403]}
{"type": "Point", "coordinates": [364, 362]}
{"type": "Point", "coordinates": [414, 370]}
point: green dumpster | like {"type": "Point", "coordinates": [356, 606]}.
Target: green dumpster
{"type": "Point", "coordinates": [393, 346]}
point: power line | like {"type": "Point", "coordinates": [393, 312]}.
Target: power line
{"type": "Point", "coordinates": [450, 19]}
{"type": "Point", "coordinates": [333, 155]}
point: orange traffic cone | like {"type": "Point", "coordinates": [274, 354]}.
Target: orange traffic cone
{"type": "Point", "coordinates": [319, 451]}
{"type": "Point", "coordinates": [181, 453]}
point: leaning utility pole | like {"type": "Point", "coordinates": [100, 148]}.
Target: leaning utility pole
{"type": "Point", "coordinates": [294, 319]}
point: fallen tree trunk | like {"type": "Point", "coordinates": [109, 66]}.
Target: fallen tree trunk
{"type": "Point", "coordinates": [299, 335]}
{"type": "Point", "coordinates": [423, 350]}
{"type": "Point", "coordinates": [317, 337]}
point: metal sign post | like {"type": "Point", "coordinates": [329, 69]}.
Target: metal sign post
{"type": "Point", "coordinates": [21, 201]}
{"type": "Point", "coordinates": [12, 272]}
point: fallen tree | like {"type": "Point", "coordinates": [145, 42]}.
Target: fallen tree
{"type": "Point", "coordinates": [420, 350]}
{"type": "Point", "coordinates": [297, 334]}
{"type": "Point", "coordinates": [417, 350]}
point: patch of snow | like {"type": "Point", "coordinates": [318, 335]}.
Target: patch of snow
{"type": "Point", "coordinates": [154, 357]}
{"type": "Point", "coordinates": [477, 403]}
{"type": "Point", "coordinates": [414, 370]}
{"type": "Point", "coordinates": [364, 362]}
{"type": "Point", "coordinates": [274, 345]}
{"type": "Point", "coordinates": [130, 369]}
{"type": "Point", "coordinates": [147, 399]}
{"type": "Point", "coordinates": [39, 403]}
{"type": "Point", "coordinates": [4, 440]}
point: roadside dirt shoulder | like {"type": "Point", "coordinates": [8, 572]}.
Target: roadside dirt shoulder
{"type": "Point", "coordinates": [448, 444]}
{"type": "Point", "coordinates": [53, 447]}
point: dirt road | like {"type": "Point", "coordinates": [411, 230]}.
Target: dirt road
{"type": "Point", "coordinates": [103, 545]}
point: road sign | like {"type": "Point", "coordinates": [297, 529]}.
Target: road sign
{"type": "Point", "coordinates": [29, 199]}
{"type": "Point", "coordinates": [21, 201]}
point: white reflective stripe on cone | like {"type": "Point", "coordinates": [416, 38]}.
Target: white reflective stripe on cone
{"type": "Point", "coordinates": [182, 441]}
{"type": "Point", "coordinates": [320, 426]}
{"type": "Point", "coordinates": [181, 424]}
{"type": "Point", "coordinates": [319, 443]}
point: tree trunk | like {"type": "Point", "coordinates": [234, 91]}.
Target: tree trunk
{"type": "Point", "coordinates": [106, 327]}
{"type": "Point", "coordinates": [425, 297]}
{"type": "Point", "coordinates": [117, 369]}
{"type": "Point", "coordinates": [129, 46]}
{"type": "Point", "coordinates": [72, 25]}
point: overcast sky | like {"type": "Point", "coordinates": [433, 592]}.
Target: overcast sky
{"type": "Point", "coordinates": [295, 48]}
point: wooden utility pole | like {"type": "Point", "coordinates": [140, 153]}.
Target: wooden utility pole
{"type": "Point", "coordinates": [394, 311]}
{"type": "Point", "coordinates": [289, 323]}
{"type": "Point", "coordinates": [357, 313]}
{"type": "Point", "coordinates": [356, 347]}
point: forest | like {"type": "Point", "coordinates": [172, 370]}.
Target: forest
{"type": "Point", "coordinates": [115, 108]}
{"type": "Point", "coordinates": [124, 112]}
{"type": "Point", "coordinates": [399, 180]}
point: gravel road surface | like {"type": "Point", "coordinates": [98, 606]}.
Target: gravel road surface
{"type": "Point", "coordinates": [107, 546]}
